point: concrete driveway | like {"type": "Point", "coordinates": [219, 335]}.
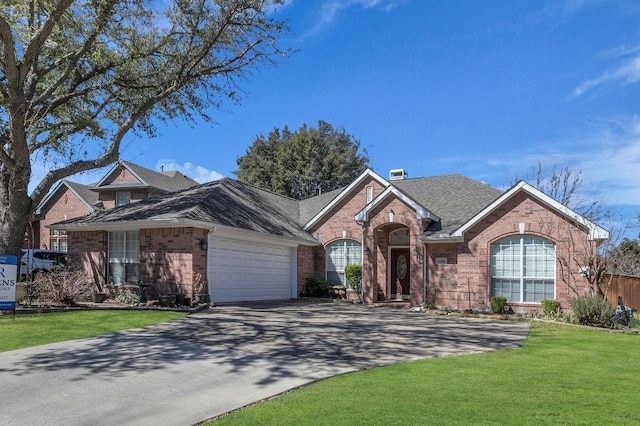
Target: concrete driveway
{"type": "Point", "coordinates": [209, 363]}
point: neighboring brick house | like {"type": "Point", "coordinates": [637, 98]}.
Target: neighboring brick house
{"type": "Point", "coordinates": [447, 241]}
{"type": "Point", "coordinates": [124, 183]}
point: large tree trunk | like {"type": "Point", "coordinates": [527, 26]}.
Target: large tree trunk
{"type": "Point", "coordinates": [15, 209]}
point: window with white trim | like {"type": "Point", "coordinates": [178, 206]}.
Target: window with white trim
{"type": "Point", "coordinates": [523, 269]}
{"type": "Point", "coordinates": [340, 254]}
{"type": "Point", "coordinates": [124, 257]}
{"type": "Point", "coordinates": [123, 198]}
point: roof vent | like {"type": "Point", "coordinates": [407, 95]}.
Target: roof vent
{"type": "Point", "coordinates": [397, 174]}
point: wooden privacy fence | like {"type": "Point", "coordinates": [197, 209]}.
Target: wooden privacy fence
{"type": "Point", "coordinates": [623, 285]}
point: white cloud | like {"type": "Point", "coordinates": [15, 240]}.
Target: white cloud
{"type": "Point", "coordinates": [608, 157]}
{"type": "Point", "coordinates": [612, 162]}
{"type": "Point", "coordinates": [330, 11]}
{"type": "Point", "coordinates": [627, 72]}
{"type": "Point", "coordinates": [198, 173]}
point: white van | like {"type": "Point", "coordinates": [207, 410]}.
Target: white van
{"type": "Point", "coordinates": [37, 260]}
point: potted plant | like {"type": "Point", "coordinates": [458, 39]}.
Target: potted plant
{"type": "Point", "coordinates": [199, 286]}
{"type": "Point", "coordinates": [99, 295]}
{"type": "Point", "coordinates": [353, 275]}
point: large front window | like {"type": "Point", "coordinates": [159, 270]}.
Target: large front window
{"type": "Point", "coordinates": [124, 247]}
{"type": "Point", "coordinates": [523, 269]}
{"type": "Point", "coordinates": [340, 254]}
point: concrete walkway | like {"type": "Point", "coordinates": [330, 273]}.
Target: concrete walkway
{"type": "Point", "coordinates": [212, 362]}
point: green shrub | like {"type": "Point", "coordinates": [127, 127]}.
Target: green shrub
{"type": "Point", "coordinates": [498, 304]}
{"type": "Point", "coordinates": [592, 310]}
{"type": "Point", "coordinates": [551, 308]}
{"type": "Point", "coordinates": [315, 287]}
{"type": "Point", "coordinates": [353, 275]}
{"type": "Point", "coordinates": [127, 298]}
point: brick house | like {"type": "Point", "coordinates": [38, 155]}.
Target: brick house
{"type": "Point", "coordinates": [124, 183]}
{"type": "Point", "coordinates": [447, 241]}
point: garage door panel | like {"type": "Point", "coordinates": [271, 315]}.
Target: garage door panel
{"type": "Point", "coordinates": [242, 271]}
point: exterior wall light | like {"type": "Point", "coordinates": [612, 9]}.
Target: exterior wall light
{"type": "Point", "coordinates": [418, 254]}
{"type": "Point", "coordinates": [203, 243]}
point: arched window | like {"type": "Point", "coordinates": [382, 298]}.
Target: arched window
{"type": "Point", "coordinates": [340, 254]}
{"type": "Point", "coordinates": [400, 237]}
{"type": "Point", "coordinates": [523, 269]}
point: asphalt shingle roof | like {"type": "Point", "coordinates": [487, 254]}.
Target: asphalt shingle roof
{"type": "Point", "coordinates": [453, 198]}
{"type": "Point", "coordinates": [312, 206]}
{"type": "Point", "coordinates": [84, 191]}
{"type": "Point", "coordinates": [163, 181]}
{"type": "Point", "coordinates": [225, 202]}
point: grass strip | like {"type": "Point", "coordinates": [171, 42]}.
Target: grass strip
{"type": "Point", "coordinates": [562, 375]}
{"type": "Point", "coordinates": [39, 329]}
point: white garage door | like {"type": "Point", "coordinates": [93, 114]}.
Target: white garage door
{"type": "Point", "coordinates": [242, 271]}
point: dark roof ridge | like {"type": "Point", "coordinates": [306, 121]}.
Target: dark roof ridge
{"type": "Point", "coordinates": [260, 189]}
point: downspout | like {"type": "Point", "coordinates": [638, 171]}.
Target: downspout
{"type": "Point", "coordinates": [362, 256]}
{"type": "Point", "coordinates": [363, 252]}
{"type": "Point", "coordinates": [425, 270]}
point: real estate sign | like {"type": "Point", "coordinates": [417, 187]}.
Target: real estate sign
{"type": "Point", "coordinates": [8, 280]}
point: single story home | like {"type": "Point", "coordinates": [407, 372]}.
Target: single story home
{"type": "Point", "coordinates": [446, 241]}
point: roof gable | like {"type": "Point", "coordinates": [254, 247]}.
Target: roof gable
{"type": "Point", "coordinates": [83, 192]}
{"type": "Point", "coordinates": [344, 194]}
{"type": "Point", "coordinates": [169, 181]}
{"type": "Point", "coordinates": [392, 191]}
{"type": "Point", "coordinates": [595, 231]}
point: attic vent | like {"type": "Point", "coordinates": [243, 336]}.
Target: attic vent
{"type": "Point", "coordinates": [398, 174]}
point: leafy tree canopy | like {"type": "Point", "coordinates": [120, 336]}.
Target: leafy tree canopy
{"type": "Point", "coordinates": [625, 257]}
{"type": "Point", "coordinates": [77, 76]}
{"type": "Point", "coordinates": [304, 163]}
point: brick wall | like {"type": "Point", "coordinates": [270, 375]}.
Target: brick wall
{"type": "Point", "coordinates": [121, 175]}
{"type": "Point", "coordinates": [336, 225]}
{"type": "Point", "coordinates": [65, 205]}
{"type": "Point", "coordinates": [170, 258]}
{"type": "Point", "coordinates": [88, 252]}
{"type": "Point", "coordinates": [387, 217]}
{"type": "Point", "coordinates": [464, 282]}
{"type": "Point", "coordinates": [109, 198]}
{"type": "Point", "coordinates": [339, 223]}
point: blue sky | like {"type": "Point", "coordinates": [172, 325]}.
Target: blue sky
{"type": "Point", "coordinates": [487, 89]}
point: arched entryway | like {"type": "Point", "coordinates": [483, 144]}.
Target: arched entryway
{"type": "Point", "coordinates": [399, 265]}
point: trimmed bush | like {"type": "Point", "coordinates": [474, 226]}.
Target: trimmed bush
{"type": "Point", "coordinates": [315, 287]}
{"type": "Point", "coordinates": [592, 310]}
{"type": "Point", "coordinates": [353, 275]}
{"type": "Point", "coordinates": [498, 304]}
{"type": "Point", "coordinates": [551, 308]}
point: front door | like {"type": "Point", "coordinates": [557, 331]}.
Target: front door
{"type": "Point", "coordinates": [400, 273]}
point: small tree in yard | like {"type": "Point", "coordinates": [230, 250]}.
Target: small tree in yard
{"type": "Point", "coordinates": [77, 76]}
{"type": "Point", "coordinates": [585, 257]}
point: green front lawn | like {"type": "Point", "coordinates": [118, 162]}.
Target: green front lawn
{"type": "Point", "coordinates": [562, 375]}
{"type": "Point", "coordinates": [39, 329]}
